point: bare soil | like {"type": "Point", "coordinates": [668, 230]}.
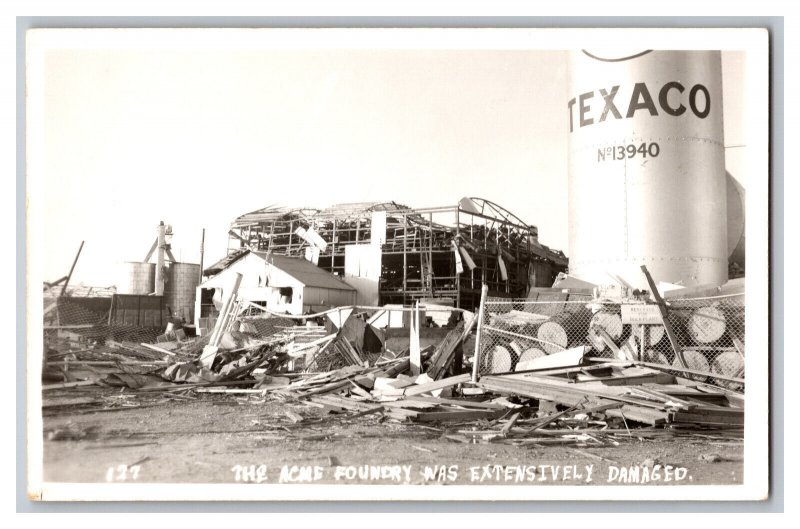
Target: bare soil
{"type": "Point", "coordinates": [215, 438]}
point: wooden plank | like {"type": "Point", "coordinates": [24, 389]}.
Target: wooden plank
{"type": "Point", "coordinates": [702, 418]}
{"type": "Point", "coordinates": [565, 371]}
{"type": "Point", "coordinates": [510, 423]}
{"type": "Point", "coordinates": [404, 403]}
{"type": "Point", "coordinates": [569, 358]}
{"type": "Point", "coordinates": [355, 388]}
{"type": "Point", "coordinates": [664, 397]}
{"type": "Point", "coordinates": [455, 402]}
{"type": "Point", "coordinates": [327, 388]}
{"type": "Point", "coordinates": [540, 392]}
{"type": "Point", "coordinates": [630, 380]}
{"type": "Point", "coordinates": [439, 384]}
{"type": "Point", "coordinates": [414, 350]}
{"type": "Point", "coordinates": [662, 367]}
{"type": "Point", "coordinates": [544, 386]}
{"type": "Point", "coordinates": [639, 414]}
{"type": "Point", "coordinates": [158, 349]}
{"type": "Point", "coordinates": [459, 415]}
{"type": "Point", "coordinates": [443, 355]}
{"type": "Point", "coordinates": [400, 413]}
{"type": "Point", "coordinates": [348, 404]}
{"type": "Point", "coordinates": [70, 384]}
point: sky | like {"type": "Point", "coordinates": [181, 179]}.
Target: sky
{"type": "Point", "coordinates": [196, 137]}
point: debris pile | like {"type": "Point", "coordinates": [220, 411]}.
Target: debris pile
{"type": "Point", "coordinates": [570, 397]}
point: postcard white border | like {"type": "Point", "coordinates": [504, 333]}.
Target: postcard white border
{"type": "Point", "coordinates": [753, 42]}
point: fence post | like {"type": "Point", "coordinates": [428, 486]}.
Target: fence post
{"type": "Point", "coordinates": [477, 356]}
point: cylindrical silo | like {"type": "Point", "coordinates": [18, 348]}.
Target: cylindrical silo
{"type": "Point", "coordinates": [736, 221]}
{"type": "Point", "coordinates": [180, 289]}
{"type": "Point", "coordinates": [136, 278]}
{"type": "Point", "coordinates": [646, 167]}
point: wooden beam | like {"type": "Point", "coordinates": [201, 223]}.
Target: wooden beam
{"type": "Point", "coordinates": [72, 268]}
{"type": "Point", "coordinates": [662, 306]}
{"type": "Point", "coordinates": [439, 384]}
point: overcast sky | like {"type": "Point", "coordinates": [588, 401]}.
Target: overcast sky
{"type": "Point", "coordinates": [196, 138]}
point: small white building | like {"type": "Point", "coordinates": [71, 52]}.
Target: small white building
{"type": "Point", "coordinates": [279, 283]}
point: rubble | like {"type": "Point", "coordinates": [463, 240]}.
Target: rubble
{"type": "Point", "coordinates": [571, 397]}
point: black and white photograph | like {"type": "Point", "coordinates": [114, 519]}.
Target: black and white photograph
{"type": "Point", "coordinates": [397, 264]}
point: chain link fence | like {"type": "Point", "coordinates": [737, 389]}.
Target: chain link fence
{"type": "Point", "coordinates": [709, 333]}
{"type": "Point", "coordinates": [85, 327]}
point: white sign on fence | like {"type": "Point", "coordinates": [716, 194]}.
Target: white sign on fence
{"type": "Point", "coordinates": [641, 314]}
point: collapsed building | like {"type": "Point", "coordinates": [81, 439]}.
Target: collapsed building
{"type": "Point", "coordinates": [393, 254]}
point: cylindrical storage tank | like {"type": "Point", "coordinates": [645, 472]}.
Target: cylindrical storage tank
{"type": "Point", "coordinates": [179, 292]}
{"type": "Point", "coordinates": [646, 167]}
{"type": "Point", "coordinates": [736, 221]}
{"type": "Point", "coordinates": [136, 278]}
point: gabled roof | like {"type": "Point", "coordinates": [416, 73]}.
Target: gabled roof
{"type": "Point", "coordinates": [306, 272]}
{"type": "Point", "coordinates": [225, 262]}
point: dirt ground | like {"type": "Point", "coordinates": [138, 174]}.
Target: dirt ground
{"type": "Point", "coordinates": [213, 438]}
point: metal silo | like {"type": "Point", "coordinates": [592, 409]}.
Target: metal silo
{"type": "Point", "coordinates": [646, 167]}
{"type": "Point", "coordinates": [136, 278]}
{"type": "Point", "coordinates": [180, 289]}
{"type": "Point", "coordinates": [736, 221]}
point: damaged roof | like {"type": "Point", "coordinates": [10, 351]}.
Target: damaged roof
{"type": "Point", "coordinates": [304, 271]}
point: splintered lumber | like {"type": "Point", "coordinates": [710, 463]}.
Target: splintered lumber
{"type": "Point", "coordinates": [569, 358]}
{"type": "Point", "coordinates": [729, 363]}
{"type": "Point", "coordinates": [608, 321]}
{"type": "Point", "coordinates": [563, 330]}
{"type": "Point", "coordinates": [653, 334]}
{"type": "Point", "coordinates": [157, 349]}
{"type": "Point", "coordinates": [443, 355]}
{"type": "Point", "coordinates": [559, 390]}
{"type": "Point", "coordinates": [510, 423]}
{"type": "Point", "coordinates": [706, 324]}
{"type": "Point", "coordinates": [346, 404]}
{"type": "Point", "coordinates": [400, 366]}
{"type": "Point", "coordinates": [640, 414]}
{"type": "Point", "coordinates": [458, 415]}
{"type": "Point", "coordinates": [721, 418]}
{"type": "Point", "coordinates": [597, 369]}
{"type": "Point", "coordinates": [405, 403]}
{"type": "Point", "coordinates": [464, 403]}
{"type": "Point", "coordinates": [631, 376]}
{"type": "Point", "coordinates": [210, 351]}
{"type": "Point", "coordinates": [695, 361]}
{"type": "Point", "coordinates": [439, 384]}
{"type": "Point", "coordinates": [674, 367]}
{"type": "Point", "coordinates": [498, 360]}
